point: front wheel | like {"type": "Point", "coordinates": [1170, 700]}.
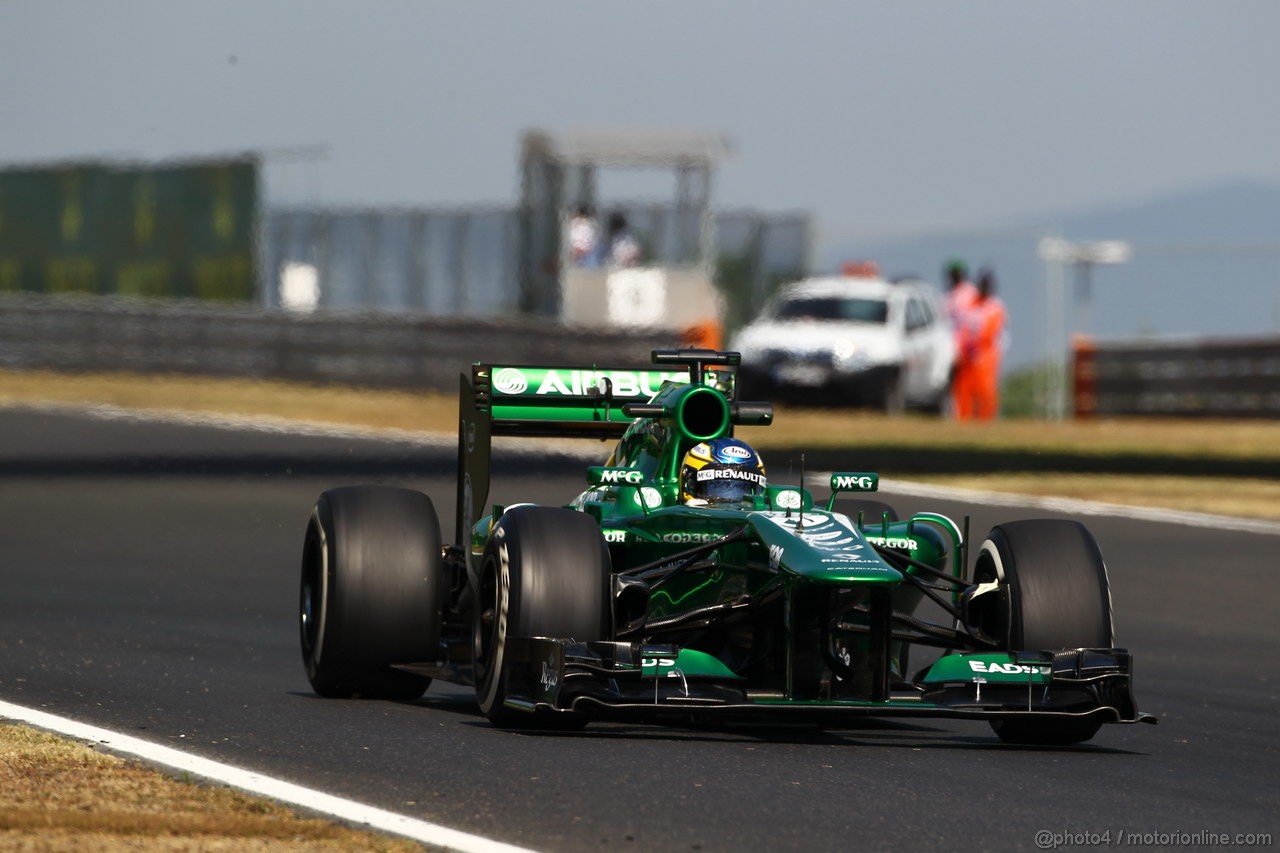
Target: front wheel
{"type": "Point", "coordinates": [371, 592]}
{"type": "Point", "coordinates": [545, 573]}
{"type": "Point", "coordinates": [1057, 597]}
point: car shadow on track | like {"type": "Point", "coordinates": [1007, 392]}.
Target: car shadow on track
{"type": "Point", "coordinates": [871, 733]}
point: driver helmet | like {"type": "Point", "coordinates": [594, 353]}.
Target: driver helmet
{"type": "Point", "coordinates": [721, 471]}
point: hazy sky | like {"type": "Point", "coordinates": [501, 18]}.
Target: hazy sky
{"type": "Point", "coordinates": [902, 115]}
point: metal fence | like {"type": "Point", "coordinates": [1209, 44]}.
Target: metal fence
{"type": "Point", "coordinates": [464, 263]}
{"type": "Point", "coordinates": [402, 298]}
{"type": "Point", "coordinates": [441, 263]}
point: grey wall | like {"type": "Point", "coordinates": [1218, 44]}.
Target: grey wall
{"type": "Point", "coordinates": [386, 350]}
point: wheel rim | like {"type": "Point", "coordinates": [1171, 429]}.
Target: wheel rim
{"type": "Point", "coordinates": [486, 623]}
{"type": "Point", "coordinates": [311, 615]}
{"type": "Point", "coordinates": [995, 618]}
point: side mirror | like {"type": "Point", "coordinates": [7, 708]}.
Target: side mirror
{"type": "Point", "coordinates": [846, 481]}
{"type": "Point", "coordinates": [751, 414]}
{"type": "Point", "coordinates": [852, 481]}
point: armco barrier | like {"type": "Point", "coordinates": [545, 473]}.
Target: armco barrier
{"type": "Point", "coordinates": [1201, 377]}
{"type": "Point", "coordinates": [107, 334]}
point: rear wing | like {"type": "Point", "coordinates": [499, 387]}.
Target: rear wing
{"type": "Point", "coordinates": [563, 402]}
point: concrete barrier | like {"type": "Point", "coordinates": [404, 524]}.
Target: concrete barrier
{"type": "Point", "coordinates": [385, 350]}
{"type": "Point", "coordinates": [1192, 377]}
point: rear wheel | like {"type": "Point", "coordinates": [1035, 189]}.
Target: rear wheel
{"type": "Point", "coordinates": [545, 573]}
{"type": "Point", "coordinates": [1058, 598]}
{"type": "Point", "coordinates": [371, 592]}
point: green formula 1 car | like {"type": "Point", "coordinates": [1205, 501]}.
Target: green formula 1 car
{"type": "Point", "coordinates": [681, 586]}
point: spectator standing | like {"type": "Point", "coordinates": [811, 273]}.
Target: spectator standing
{"type": "Point", "coordinates": [622, 249]}
{"type": "Point", "coordinates": [583, 236]}
{"type": "Point", "coordinates": [986, 338]}
{"type": "Point", "coordinates": [959, 301]}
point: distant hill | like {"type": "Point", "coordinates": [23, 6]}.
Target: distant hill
{"type": "Point", "coordinates": [1206, 262]}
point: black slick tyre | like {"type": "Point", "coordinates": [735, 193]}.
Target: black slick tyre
{"type": "Point", "coordinates": [1058, 598]}
{"type": "Point", "coordinates": [545, 573]}
{"type": "Point", "coordinates": [371, 592]}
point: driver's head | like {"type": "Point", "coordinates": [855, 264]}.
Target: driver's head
{"type": "Point", "coordinates": [721, 471]}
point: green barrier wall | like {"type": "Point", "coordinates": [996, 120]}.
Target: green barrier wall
{"type": "Point", "coordinates": [159, 231]}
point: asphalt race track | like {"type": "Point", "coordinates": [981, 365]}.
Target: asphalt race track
{"type": "Point", "coordinates": [149, 576]}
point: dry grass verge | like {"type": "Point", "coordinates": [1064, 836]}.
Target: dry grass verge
{"type": "Point", "coordinates": [57, 794]}
{"type": "Point", "coordinates": [323, 404]}
{"type": "Point", "coordinates": [1101, 437]}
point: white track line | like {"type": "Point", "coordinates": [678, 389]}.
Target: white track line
{"type": "Point", "coordinates": [1073, 506]}
{"type": "Point", "coordinates": [244, 423]}
{"type": "Point", "coordinates": [274, 425]}
{"type": "Point", "coordinates": [262, 785]}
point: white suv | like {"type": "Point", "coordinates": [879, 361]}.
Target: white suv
{"type": "Point", "coordinates": [844, 340]}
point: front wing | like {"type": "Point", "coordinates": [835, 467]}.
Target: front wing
{"type": "Point", "coordinates": [651, 682]}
